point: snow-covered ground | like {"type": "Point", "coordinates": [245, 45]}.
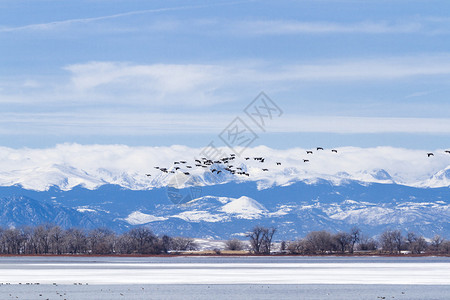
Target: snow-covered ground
{"type": "Point", "coordinates": [217, 270]}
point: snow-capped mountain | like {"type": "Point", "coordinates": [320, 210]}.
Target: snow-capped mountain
{"type": "Point", "coordinates": [92, 186]}
{"type": "Point", "coordinates": [70, 165]}
{"type": "Point", "coordinates": [232, 209]}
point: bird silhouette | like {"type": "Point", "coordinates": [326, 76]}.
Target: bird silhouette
{"type": "Point", "coordinates": [148, 174]}
{"type": "Point", "coordinates": [334, 150]}
{"type": "Point", "coordinates": [430, 154]}
{"type": "Point", "coordinates": [319, 148]}
{"type": "Point", "coordinates": [278, 164]}
{"type": "Point", "coordinates": [309, 152]}
{"type": "Point", "coordinates": [186, 173]}
{"type": "Point", "coordinates": [265, 170]}
{"type": "Point", "coordinates": [447, 151]}
{"type": "Point", "coordinates": [306, 160]}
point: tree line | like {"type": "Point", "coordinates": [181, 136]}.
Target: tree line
{"type": "Point", "coordinates": [51, 239]}
{"type": "Point", "coordinates": [48, 239]}
{"type": "Point", "coordinates": [391, 241]}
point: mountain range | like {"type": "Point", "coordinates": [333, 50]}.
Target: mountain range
{"type": "Point", "coordinates": [103, 186]}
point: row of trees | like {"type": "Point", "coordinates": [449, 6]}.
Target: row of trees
{"type": "Point", "coordinates": [46, 239]}
{"type": "Point", "coordinates": [390, 241]}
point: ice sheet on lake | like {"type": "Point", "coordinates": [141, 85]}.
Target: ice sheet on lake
{"type": "Point", "coordinates": [213, 271]}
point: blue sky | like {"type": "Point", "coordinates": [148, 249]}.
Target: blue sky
{"type": "Point", "coordinates": [358, 73]}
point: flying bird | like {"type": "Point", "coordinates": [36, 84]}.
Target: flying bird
{"type": "Point", "coordinates": [309, 152]}
{"type": "Point", "coordinates": [278, 164]}
{"type": "Point", "coordinates": [319, 148]}
{"type": "Point", "coordinates": [306, 160]}
{"type": "Point", "coordinates": [148, 174]}
{"type": "Point", "coordinates": [430, 154]}
{"type": "Point", "coordinates": [334, 150]}
{"type": "Point", "coordinates": [447, 151]}
{"type": "Point", "coordinates": [265, 170]}
{"type": "Point", "coordinates": [186, 173]}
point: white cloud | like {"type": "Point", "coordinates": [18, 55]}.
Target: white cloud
{"type": "Point", "coordinates": [288, 27]}
{"type": "Point", "coordinates": [144, 124]}
{"type": "Point", "coordinates": [69, 165]}
{"type": "Point", "coordinates": [209, 84]}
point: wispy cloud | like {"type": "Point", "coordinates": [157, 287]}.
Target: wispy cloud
{"type": "Point", "coordinates": [57, 24]}
{"type": "Point", "coordinates": [140, 123]}
{"type": "Point", "coordinates": [206, 85]}
{"type": "Point", "coordinates": [289, 27]}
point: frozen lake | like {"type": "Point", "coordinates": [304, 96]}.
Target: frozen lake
{"type": "Point", "coordinates": [201, 277]}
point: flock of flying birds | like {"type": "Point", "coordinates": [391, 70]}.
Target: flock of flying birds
{"type": "Point", "coordinates": [227, 166]}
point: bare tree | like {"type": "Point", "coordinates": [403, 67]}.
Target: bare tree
{"type": "Point", "coordinates": [415, 244]}
{"type": "Point", "coordinates": [267, 239]}
{"type": "Point", "coordinates": [56, 236]}
{"type": "Point", "coordinates": [391, 241]}
{"type": "Point", "coordinates": [299, 247]}
{"type": "Point", "coordinates": [183, 244]}
{"type": "Point", "coordinates": [436, 243]}
{"type": "Point", "coordinates": [75, 241]}
{"type": "Point", "coordinates": [261, 239]}
{"type": "Point", "coordinates": [367, 243]}
{"type": "Point", "coordinates": [101, 241]}
{"type": "Point", "coordinates": [234, 245]}
{"type": "Point", "coordinates": [320, 241]}
{"type": "Point", "coordinates": [343, 240]}
{"type": "Point", "coordinates": [355, 234]}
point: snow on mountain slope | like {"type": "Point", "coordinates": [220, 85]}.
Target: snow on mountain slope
{"type": "Point", "coordinates": [138, 218]}
{"type": "Point", "coordinates": [91, 166]}
{"type": "Point", "coordinates": [244, 208]}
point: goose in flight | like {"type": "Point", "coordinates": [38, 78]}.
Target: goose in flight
{"type": "Point", "coordinates": [447, 151]}
{"type": "Point", "coordinates": [306, 160]}
{"type": "Point", "coordinates": [334, 150]}
{"type": "Point", "coordinates": [430, 154]}
{"type": "Point", "coordinates": [319, 148]}
{"type": "Point", "coordinates": [309, 152]}
{"type": "Point", "coordinates": [278, 164]}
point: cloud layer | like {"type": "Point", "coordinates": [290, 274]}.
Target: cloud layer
{"type": "Point", "coordinates": [68, 165]}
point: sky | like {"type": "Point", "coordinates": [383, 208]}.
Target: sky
{"type": "Point", "coordinates": [159, 73]}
